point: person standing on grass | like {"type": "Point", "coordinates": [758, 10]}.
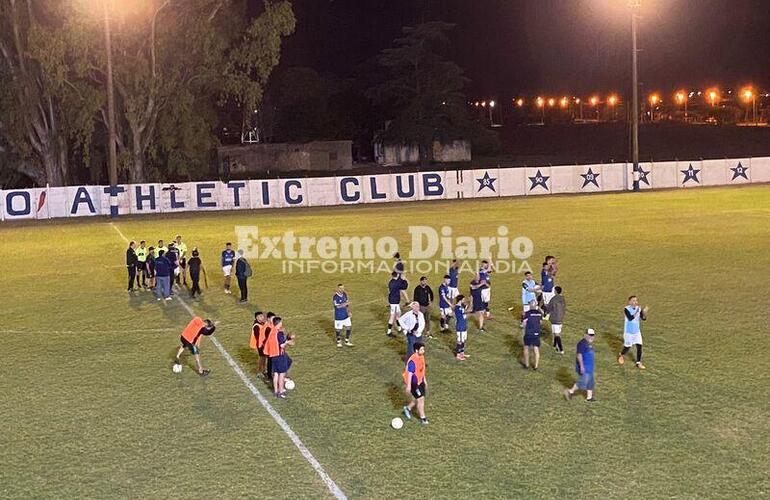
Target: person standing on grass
{"type": "Point", "coordinates": [423, 295]}
{"type": "Point", "coordinates": [264, 334]}
{"type": "Point", "coordinates": [397, 287]}
{"type": "Point", "coordinates": [191, 337]}
{"type": "Point", "coordinates": [416, 383]}
{"type": "Point", "coordinates": [228, 258]}
{"type": "Point", "coordinates": [163, 271]}
{"type": "Point", "coordinates": [461, 326]}
{"type": "Point", "coordinates": [150, 268]}
{"type": "Point", "coordinates": [173, 257]}
{"type": "Point", "coordinates": [454, 275]}
{"type": "Point", "coordinates": [280, 362]}
{"type": "Point", "coordinates": [546, 283]}
{"type": "Point", "coordinates": [412, 324]}
{"type": "Point", "coordinates": [632, 333]}
{"type": "Point", "coordinates": [398, 265]}
{"type": "Point", "coordinates": [341, 305]}
{"type": "Point", "coordinates": [181, 246]}
{"type": "Point", "coordinates": [478, 307]}
{"type": "Point", "coordinates": [141, 264]}
{"type": "Point", "coordinates": [556, 308]}
{"type": "Point", "coordinates": [242, 273]}
{"type": "Point", "coordinates": [531, 324]}
{"type": "Point", "coordinates": [195, 268]}
{"type": "Point", "coordinates": [529, 289]}
{"type": "Point", "coordinates": [160, 247]}
{"type": "Point", "coordinates": [131, 263]}
{"type": "Point", "coordinates": [484, 277]}
{"type": "Point", "coordinates": [255, 343]}
{"type": "Point", "coordinates": [584, 366]}
{"type": "Point", "coordinates": [445, 303]}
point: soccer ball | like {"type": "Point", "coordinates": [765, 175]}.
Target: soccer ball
{"type": "Point", "coordinates": [397, 423]}
{"type": "Point", "coordinates": [177, 368]}
{"type": "Point", "coordinates": [289, 384]}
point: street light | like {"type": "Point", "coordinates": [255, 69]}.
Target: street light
{"type": "Point", "coordinates": [551, 102]}
{"type": "Point", "coordinates": [612, 101]}
{"type": "Point", "coordinates": [595, 103]}
{"type": "Point", "coordinates": [519, 102]}
{"type": "Point", "coordinates": [491, 120]}
{"type": "Point", "coordinates": [541, 104]}
{"type": "Point", "coordinates": [713, 96]}
{"type": "Point", "coordinates": [750, 96]}
{"type": "Point", "coordinates": [564, 102]}
{"type": "Point", "coordinates": [635, 5]}
{"type": "Point", "coordinates": [654, 100]}
{"type": "Point", "coordinates": [681, 98]}
{"type": "Point", "coordinates": [112, 169]}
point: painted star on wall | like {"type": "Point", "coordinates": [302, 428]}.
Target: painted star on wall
{"type": "Point", "coordinates": [487, 182]}
{"type": "Point", "coordinates": [740, 171]}
{"type": "Point", "coordinates": [690, 174]}
{"type": "Point", "coordinates": [590, 177]}
{"type": "Point", "coordinates": [539, 180]}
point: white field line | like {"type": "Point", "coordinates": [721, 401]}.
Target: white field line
{"type": "Point", "coordinates": [314, 463]}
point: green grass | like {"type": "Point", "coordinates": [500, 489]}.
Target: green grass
{"type": "Point", "coordinates": [91, 409]}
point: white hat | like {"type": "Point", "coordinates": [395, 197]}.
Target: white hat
{"type": "Point", "coordinates": [590, 331]}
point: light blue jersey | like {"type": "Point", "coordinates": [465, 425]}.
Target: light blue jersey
{"type": "Point", "coordinates": [631, 325]}
{"type": "Point", "coordinates": [526, 295]}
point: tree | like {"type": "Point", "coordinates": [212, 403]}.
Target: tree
{"type": "Point", "coordinates": [422, 93]}
{"type": "Point", "coordinates": [46, 105]}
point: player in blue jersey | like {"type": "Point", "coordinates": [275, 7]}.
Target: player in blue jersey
{"type": "Point", "coordinates": [445, 303]}
{"type": "Point", "coordinates": [397, 287]}
{"type": "Point", "coordinates": [454, 274]}
{"type": "Point", "coordinates": [546, 283]}
{"type": "Point", "coordinates": [342, 315]}
{"type": "Point", "coordinates": [529, 289]}
{"type": "Point", "coordinates": [228, 258]}
{"type": "Point", "coordinates": [461, 308]}
{"type": "Point", "coordinates": [632, 332]}
{"type": "Point", "coordinates": [531, 323]}
{"type": "Point", "coordinates": [478, 306]}
{"type": "Point", "coordinates": [485, 278]}
{"type": "Point", "coordinates": [398, 265]}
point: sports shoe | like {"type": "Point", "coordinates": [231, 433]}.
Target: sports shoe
{"type": "Point", "coordinates": [567, 394]}
{"type": "Point", "coordinates": [168, 298]}
{"type": "Point", "coordinates": [348, 343]}
{"type": "Point", "coordinates": [204, 373]}
{"type": "Point", "coordinates": [158, 299]}
{"type": "Point", "coordinates": [621, 360]}
{"type": "Point", "coordinates": [424, 421]}
{"type": "Point", "coordinates": [407, 413]}
{"type": "Point", "coordinates": [460, 357]}
{"type": "Point", "coordinates": [481, 330]}
{"type": "Point", "coordinates": [592, 400]}
{"type": "Point", "coordinates": [282, 395]}
{"type": "Point", "coordinates": [641, 366]}
{"type": "Point", "coordinates": [389, 334]}
{"type": "Point", "coordinates": [339, 343]}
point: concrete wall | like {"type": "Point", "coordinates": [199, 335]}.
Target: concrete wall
{"type": "Point", "coordinates": [455, 151]}
{"type": "Point", "coordinates": [247, 159]}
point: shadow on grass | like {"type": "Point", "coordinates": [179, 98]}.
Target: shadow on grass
{"type": "Point", "coordinates": [565, 377]}
{"type": "Point", "coordinates": [396, 395]}
{"type": "Point", "coordinates": [515, 347]}
{"type": "Point", "coordinates": [328, 328]}
{"type": "Point", "coordinates": [615, 343]}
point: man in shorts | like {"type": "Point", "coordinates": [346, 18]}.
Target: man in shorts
{"type": "Point", "coordinates": [632, 333]}
{"type": "Point", "coordinates": [228, 258]}
{"type": "Point", "coordinates": [341, 305]}
{"type": "Point", "coordinates": [556, 308]}
{"type": "Point", "coordinates": [397, 287]}
{"type": "Point", "coordinates": [531, 322]}
{"type": "Point", "coordinates": [416, 383]}
{"type": "Point", "coordinates": [190, 340]}
{"type": "Point", "coordinates": [584, 366]}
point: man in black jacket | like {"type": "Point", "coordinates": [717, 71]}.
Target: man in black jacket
{"type": "Point", "coordinates": [131, 262]}
{"type": "Point", "coordinates": [423, 295]}
{"type": "Point", "coordinates": [242, 272]}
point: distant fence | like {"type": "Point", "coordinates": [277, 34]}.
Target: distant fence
{"type": "Point", "coordinates": [80, 201]}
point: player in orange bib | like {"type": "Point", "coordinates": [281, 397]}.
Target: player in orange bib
{"type": "Point", "coordinates": [416, 383]}
{"type": "Point", "coordinates": [191, 337]}
{"type": "Point", "coordinates": [257, 340]}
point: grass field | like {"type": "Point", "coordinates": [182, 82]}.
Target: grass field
{"type": "Point", "coordinates": [91, 409]}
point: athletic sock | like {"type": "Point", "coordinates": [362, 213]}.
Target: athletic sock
{"type": "Point", "coordinates": [338, 334]}
{"type": "Point", "coordinates": [624, 351]}
{"type": "Point", "coordinates": [347, 334]}
{"type": "Point", "coordinates": [638, 353]}
{"type": "Point", "coordinates": [557, 342]}
{"type": "Point", "coordinates": [390, 328]}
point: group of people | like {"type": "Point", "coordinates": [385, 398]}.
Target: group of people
{"type": "Point", "coordinates": [158, 268]}
{"type": "Point", "coordinates": [540, 302]}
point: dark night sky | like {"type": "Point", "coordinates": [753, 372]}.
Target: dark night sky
{"type": "Point", "coordinates": [551, 46]}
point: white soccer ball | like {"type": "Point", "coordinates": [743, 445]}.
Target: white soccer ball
{"type": "Point", "coordinates": [289, 384]}
{"type": "Point", "coordinates": [397, 423]}
{"type": "Point", "coordinates": [177, 368]}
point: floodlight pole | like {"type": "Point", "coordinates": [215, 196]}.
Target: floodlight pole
{"type": "Point", "coordinates": [111, 142]}
{"type": "Point", "coordinates": [635, 4]}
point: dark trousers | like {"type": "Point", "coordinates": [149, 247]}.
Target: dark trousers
{"type": "Point", "coordinates": [196, 287]}
{"type": "Point", "coordinates": [410, 340]}
{"type": "Point", "coordinates": [131, 277]}
{"type": "Point", "coordinates": [244, 289]}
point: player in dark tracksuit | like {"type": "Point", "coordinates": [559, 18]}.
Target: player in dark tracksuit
{"type": "Point", "coordinates": [131, 262]}
{"type": "Point", "coordinates": [195, 268]}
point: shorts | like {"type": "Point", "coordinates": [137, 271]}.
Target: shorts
{"type": "Point", "coordinates": [486, 294]}
{"type": "Point", "coordinates": [395, 309]}
{"type": "Point", "coordinates": [532, 340]}
{"type": "Point", "coordinates": [547, 296]}
{"type": "Point", "coordinates": [183, 263]}
{"type": "Point", "coordinates": [453, 292]}
{"type": "Point", "coordinates": [462, 336]}
{"type": "Point", "coordinates": [141, 267]}
{"type": "Point", "coordinates": [555, 329]}
{"type": "Point", "coordinates": [630, 339]}
{"type": "Point", "coordinates": [418, 391]}
{"type": "Point", "coordinates": [425, 310]}
{"type": "Point", "coordinates": [190, 347]}
{"type": "Point", "coordinates": [446, 311]}
{"type": "Point", "coordinates": [586, 382]}
{"type": "Point", "coordinates": [226, 270]}
{"type": "Point", "coordinates": [280, 364]}
{"type": "Point", "coordinates": [177, 270]}
{"type": "Point", "coordinates": [339, 324]}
